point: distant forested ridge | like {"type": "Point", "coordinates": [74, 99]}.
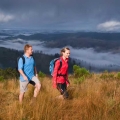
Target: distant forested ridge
{"type": "Point", "coordinates": [8, 59]}
{"type": "Point", "coordinates": [98, 41]}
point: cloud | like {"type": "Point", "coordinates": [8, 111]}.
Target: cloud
{"type": "Point", "coordinates": [95, 58]}
{"type": "Point", "coordinates": [90, 56]}
{"type": "Point", "coordinates": [5, 17]}
{"type": "Point", "coordinates": [62, 14]}
{"type": "Point", "coordinates": [109, 26]}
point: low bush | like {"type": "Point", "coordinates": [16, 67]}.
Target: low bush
{"type": "Point", "coordinates": [41, 74]}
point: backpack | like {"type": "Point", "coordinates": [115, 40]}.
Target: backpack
{"type": "Point", "coordinates": [23, 59]}
{"type": "Point", "coordinates": [52, 65]}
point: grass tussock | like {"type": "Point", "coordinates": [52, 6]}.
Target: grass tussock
{"type": "Point", "coordinates": [95, 98]}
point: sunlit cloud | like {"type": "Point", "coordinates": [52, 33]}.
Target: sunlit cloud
{"type": "Point", "coordinates": [109, 26]}
{"type": "Point", "coordinates": [5, 17]}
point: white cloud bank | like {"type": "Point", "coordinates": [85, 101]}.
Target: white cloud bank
{"type": "Point", "coordinates": [89, 55]}
{"type": "Point", "coordinates": [5, 17]}
{"type": "Point", "coordinates": [109, 26]}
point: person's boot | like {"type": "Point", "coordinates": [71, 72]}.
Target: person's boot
{"type": "Point", "coordinates": [65, 95]}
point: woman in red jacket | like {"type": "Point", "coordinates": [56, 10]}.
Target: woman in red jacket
{"type": "Point", "coordinates": [60, 73]}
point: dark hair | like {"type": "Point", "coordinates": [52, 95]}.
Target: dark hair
{"type": "Point", "coordinates": [63, 50]}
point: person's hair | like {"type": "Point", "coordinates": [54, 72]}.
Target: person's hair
{"type": "Point", "coordinates": [63, 50]}
{"type": "Point", "coordinates": [27, 46]}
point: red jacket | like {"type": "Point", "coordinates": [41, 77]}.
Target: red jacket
{"type": "Point", "coordinates": [63, 70]}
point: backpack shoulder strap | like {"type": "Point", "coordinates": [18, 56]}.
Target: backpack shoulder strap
{"type": "Point", "coordinates": [23, 58]}
{"type": "Point", "coordinates": [60, 63]}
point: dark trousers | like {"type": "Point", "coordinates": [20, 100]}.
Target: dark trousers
{"type": "Point", "coordinates": [62, 88]}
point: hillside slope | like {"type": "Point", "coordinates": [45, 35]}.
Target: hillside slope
{"type": "Point", "coordinates": [95, 98]}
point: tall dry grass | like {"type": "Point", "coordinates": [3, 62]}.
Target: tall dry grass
{"type": "Point", "coordinates": [93, 99]}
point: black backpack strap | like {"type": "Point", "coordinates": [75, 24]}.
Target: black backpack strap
{"type": "Point", "coordinates": [23, 58]}
{"type": "Point", "coordinates": [60, 64]}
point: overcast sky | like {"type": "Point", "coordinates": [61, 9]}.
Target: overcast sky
{"type": "Point", "coordinates": [103, 15]}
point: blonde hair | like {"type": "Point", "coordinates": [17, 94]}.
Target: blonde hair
{"type": "Point", "coordinates": [63, 50]}
{"type": "Point", "coordinates": [26, 47]}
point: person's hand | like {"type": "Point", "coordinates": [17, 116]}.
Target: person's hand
{"type": "Point", "coordinates": [54, 84]}
{"type": "Point", "coordinates": [68, 84]}
{"type": "Point", "coordinates": [37, 75]}
{"type": "Point", "coordinates": [25, 78]}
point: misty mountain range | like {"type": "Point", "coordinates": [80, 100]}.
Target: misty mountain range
{"type": "Point", "coordinates": [98, 41]}
{"type": "Point", "coordinates": [93, 50]}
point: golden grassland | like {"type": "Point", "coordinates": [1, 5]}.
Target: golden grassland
{"type": "Point", "coordinates": [93, 99]}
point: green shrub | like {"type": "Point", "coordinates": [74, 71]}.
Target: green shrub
{"type": "Point", "coordinates": [75, 67]}
{"type": "Point", "coordinates": [105, 71]}
{"type": "Point", "coordinates": [41, 74]}
{"type": "Point", "coordinates": [1, 78]}
{"type": "Point", "coordinates": [118, 75]}
{"type": "Point", "coordinates": [80, 72]}
{"type": "Point", "coordinates": [103, 76]}
{"type": "Point", "coordinates": [9, 73]}
{"type": "Point", "coordinates": [111, 76]}
{"type": "Point", "coordinates": [107, 76]}
{"type": "Point", "coordinates": [79, 80]}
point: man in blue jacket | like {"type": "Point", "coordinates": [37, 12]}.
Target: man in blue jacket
{"type": "Point", "coordinates": [28, 73]}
